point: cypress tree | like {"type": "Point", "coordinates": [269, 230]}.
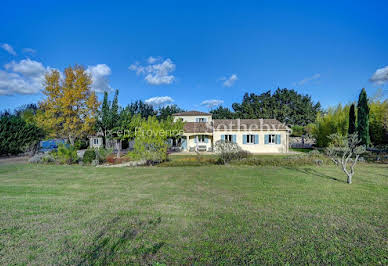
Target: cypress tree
{"type": "Point", "coordinates": [363, 118]}
{"type": "Point", "coordinates": [352, 120]}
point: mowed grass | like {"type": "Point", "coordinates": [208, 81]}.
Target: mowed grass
{"type": "Point", "coordinates": [192, 215]}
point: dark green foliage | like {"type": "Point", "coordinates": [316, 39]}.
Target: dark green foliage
{"type": "Point", "coordinates": [352, 120]}
{"type": "Point", "coordinates": [287, 106]}
{"type": "Point", "coordinates": [108, 116]}
{"type": "Point", "coordinates": [297, 131]}
{"type": "Point", "coordinates": [363, 118]}
{"type": "Point", "coordinates": [17, 136]}
{"type": "Point", "coordinates": [165, 112]}
{"type": "Point", "coordinates": [139, 107]}
{"type": "Point", "coordinates": [89, 156]}
{"type": "Point", "coordinates": [222, 113]}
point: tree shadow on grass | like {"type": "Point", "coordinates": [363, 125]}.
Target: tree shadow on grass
{"type": "Point", "coordinates": [311, 171]}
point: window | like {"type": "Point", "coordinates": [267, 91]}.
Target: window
{"type": "Point", "coordinates": [95, 141]}
{"type": "Point", "coordinates": [201, 119]}
{"type": "Point", "coordinates": [228, 138]}
{"type": "Point", "coordinates": [201, 138]}
{"type": "Point", "coordinates": [251, 139]}
{"type": "Point", "coordinates": [271, 139]}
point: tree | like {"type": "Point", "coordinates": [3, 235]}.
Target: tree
{"type": "Point", "coordinates": [16, 135]}
{"type": "Point", "coordinates": [378, 121]}
{"type": "Point", "coordinates": [334, 120]}
{"type": "Point", "coordinates": [169, 110]}
{"type": "Point", "coordinates": [287, 106]}
{"type": "Point", "coordinates": [222, 113]}
{"type": "Point", "coordinates": [139, 107]}
{"type": "Point", "coordinates": [108, 117]}
{"type": "Point", "coordinates": [150, 142]}
{"type": "Point", "coordinates": [344, 150]}
{"type": "Point", "coordinates": [363, 118]}
{"type": "Point", "coordinates": [70, 107]}
{"type": "Point", "coordinates": [352, 120]}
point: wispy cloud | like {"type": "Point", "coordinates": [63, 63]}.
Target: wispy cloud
{"type": "Point", "coordinates": [308, 79]}
{"type": "Point", "coordinates": [159, 101]}
{"type": "Point", "coordinates": [8, 48]}
{"type": "Point", "coordinates": [212, 103]}
{"type": "Point", "coordinates": [380, 76]}
{"type": "Point", "coordinates": [99, 74]}
{"type": "Point", "coordinates": [229, 81]}
{"type": "Point", "coordinates": [29, 50]}
{"type": "Point", "coordinates": [155, 73]}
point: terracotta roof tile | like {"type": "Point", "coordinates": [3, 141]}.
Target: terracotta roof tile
{"type": "Point", "coordinates": [191, 113]}
{"type": "Point", "coordinates": [195, 127]}
{"type": "Point", "coordinates": [248, 124]}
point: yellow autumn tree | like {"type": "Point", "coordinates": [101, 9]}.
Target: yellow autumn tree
{"type": "Point", "coordinates": [70, 106]}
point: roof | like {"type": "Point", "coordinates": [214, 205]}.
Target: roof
{"type": "Point", "coordinates": [191, 113]}
{"type": "Point", "coordinates": [248, 124]}
{"type": "Point", "coordinates": [197, 127]}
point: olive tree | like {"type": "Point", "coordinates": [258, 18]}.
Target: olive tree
{"type": "Point", "coordinates": [345, 151]}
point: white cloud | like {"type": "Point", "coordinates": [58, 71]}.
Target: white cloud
{"type": "Point", "coordinates": [8, 48]}
{"type": "Point", "coordinates": [308, 79]}
{"type": "Point", "coordinates": [29, 50]}
{"type": "Point", "coordinates": [212, 103]}
{"type": "Point", "coordinates": [229, 81]}
{"type": "Point", "coordinates": [158, 101]}
{"type": "Point", "coordinates": [380, 76]}
{"type": "Point", "coordinates": [99, 74]}
{"type": "Point", "coordinates": [155, 74]}
{"type": "Point", "coordinates": [27, 77]}
{"type": "Point", "coordinates": [23, 77]}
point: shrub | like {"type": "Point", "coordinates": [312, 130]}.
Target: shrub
{"type": "Point", "coordinates": [89, 156]}
{"type": "Point", "coordinates": [228, 151]}
{"type": "Point", "coordinates": [17, 136]}
{"type": "Point", "coordinates": [102, 154]}
{"type": "Point", "coordinates": [66, 154]}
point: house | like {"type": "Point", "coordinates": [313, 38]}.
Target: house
{"type": "Point", "coordinates": [253, 135]}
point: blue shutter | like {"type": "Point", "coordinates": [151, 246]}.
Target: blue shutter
{"type": "Point", "coordinates": [196, 139]}
{"type": "Point", "coordinates": [244, 139]}
{"type": "Point", "coordinates": [206, 139]}
{"type": "Point", "coordinates": [266, 139]}
{"type": "Point", "coordinates": [223, 137]}
{"type": "Point", "coordinates": [278, 140]}
{"type": "Point", "coordinates": [234, 138]}
{"type": "Point", "coordinates": [256, 139]}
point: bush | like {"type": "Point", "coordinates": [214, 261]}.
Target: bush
{"type": "Point", "coordinates": [228, 151]}
{"type": "Point", "coordinates": [102, 154]}
{"type": "Point", "coordinates": [66, 154]}
{"type": "Point", "coordinates": [17, 136]}
{"type": "Point", "coordinates": [89, 156]}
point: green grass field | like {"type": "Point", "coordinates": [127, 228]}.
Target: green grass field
{"type": "Point", "coordinates": [53, 214]}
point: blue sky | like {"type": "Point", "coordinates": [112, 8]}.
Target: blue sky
{"type": "Point", "coordinates": [196, 51]}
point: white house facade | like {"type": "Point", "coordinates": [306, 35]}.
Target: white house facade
{"type": "Point", "coordinates": [254, 135]}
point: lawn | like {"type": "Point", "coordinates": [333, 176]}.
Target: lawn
{"type": "Point", "coordinates": [212, 214]}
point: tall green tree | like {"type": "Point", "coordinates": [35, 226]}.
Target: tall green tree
{"type": "Point", "coordinates": [285, 105]}
{"type": "Point", "coordinates": [108, 115]}
{"type": "Point", "coordinates": [140, 107]}
{"type": "Point", "coordinates": [222, 113]}
{"type": "Point", "coordinates": [363, 118]}
{"type": "Point", "coordinates": [352, 120]}
{"type": "Point", "coordinates": [169, 110]}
